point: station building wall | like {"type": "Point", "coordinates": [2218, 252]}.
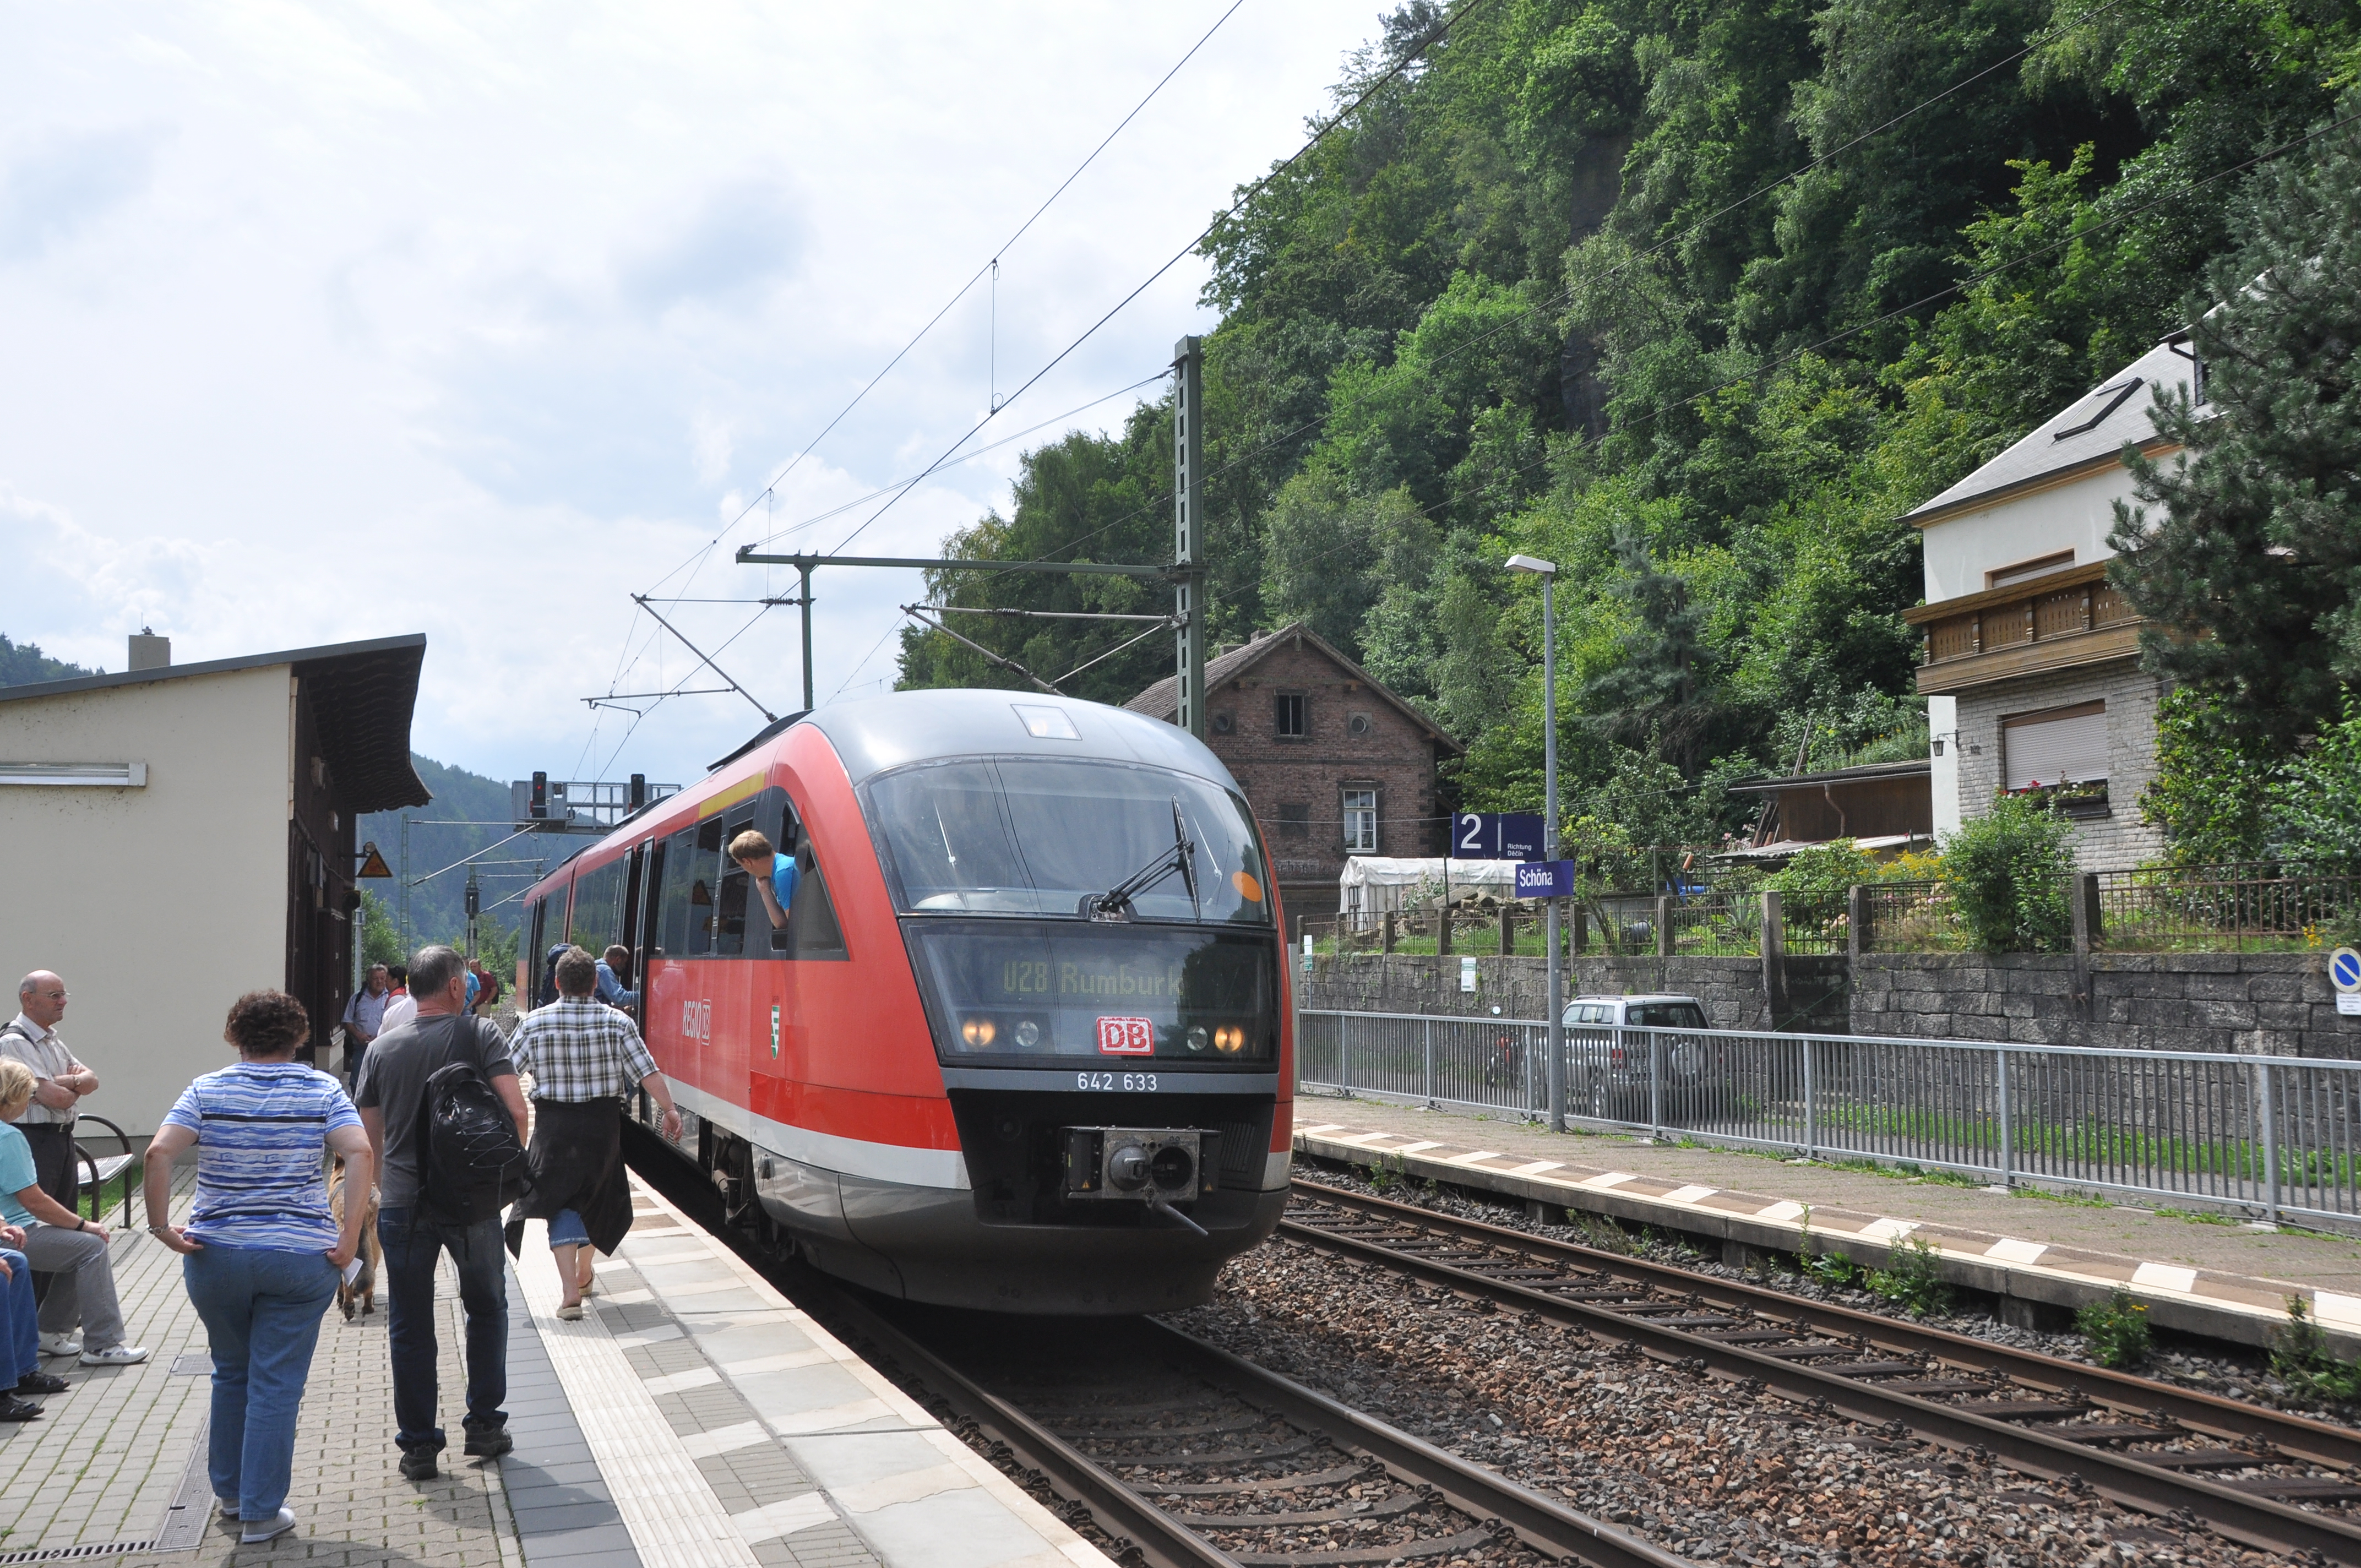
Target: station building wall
{"type": "Point", "coordinates": [159, 904]}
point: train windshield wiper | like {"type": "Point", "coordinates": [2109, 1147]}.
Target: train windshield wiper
{"type": "Point", "coordinates": [1116, 902]}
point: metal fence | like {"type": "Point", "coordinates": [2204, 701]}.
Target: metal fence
{"type": "Point", "coordinates": [2276, 1135]}
{"type": "Point", "coordinates": [2225, 908]}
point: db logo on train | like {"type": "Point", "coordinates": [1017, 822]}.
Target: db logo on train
{"type": "Point", "coordinates": [1126, 1036]}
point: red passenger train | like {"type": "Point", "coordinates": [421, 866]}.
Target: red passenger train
{"type": "Point", "coordinates": [1024, 1042]}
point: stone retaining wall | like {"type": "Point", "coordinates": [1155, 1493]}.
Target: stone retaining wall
{"type": "Point", "coordinates": [2274, 1003]}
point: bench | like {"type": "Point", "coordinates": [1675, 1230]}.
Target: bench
{"type": "Point", "coordinates": [97, 1170]}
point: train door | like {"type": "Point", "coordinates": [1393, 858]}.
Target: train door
{"type": "Point", "coordinates": [644, 939]}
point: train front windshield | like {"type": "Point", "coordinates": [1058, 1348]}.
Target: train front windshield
{"type": "Point", "coordinates": [1005, 869]}
{"type": "Point", "coordinates": [1025, 837]}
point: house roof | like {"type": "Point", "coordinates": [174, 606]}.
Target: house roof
{"type": "Point", "coordinates": [2088, 434]}
{"type": "Point", "coordinates": [1914, 767]}
{"type": "Point", "coordinates": [363, 695]}
{"type": "Point", "coordinates": [1162, 700]}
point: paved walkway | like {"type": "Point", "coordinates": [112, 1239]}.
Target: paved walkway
{"type": "Point", "coordinates": [2231, 1280]}
{"type": "Point", "coordinates": [694, 1418]}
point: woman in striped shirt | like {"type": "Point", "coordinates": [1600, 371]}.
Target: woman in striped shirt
{"type": "Point", "coordinates": [262, 1250]}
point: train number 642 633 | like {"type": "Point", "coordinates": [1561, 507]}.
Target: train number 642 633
{"type": "Point", "coordinates": [1131, 1082]}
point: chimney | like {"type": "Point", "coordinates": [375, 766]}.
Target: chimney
{"type": "Point", "coordinates": [150, 651]}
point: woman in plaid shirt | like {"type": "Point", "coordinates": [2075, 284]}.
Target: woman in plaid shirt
{"type": "Point", "coordinates": [583, 1056]}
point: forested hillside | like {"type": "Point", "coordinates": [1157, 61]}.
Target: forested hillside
{"type": "Point", "coordinates": [438, 908]}
{"type": "Point", "coordinates": [24, 663]}
{"type": "Point", "coordinates": [1696, 299]}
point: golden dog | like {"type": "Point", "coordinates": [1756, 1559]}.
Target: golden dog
{"type": "Point", "coordinates": [359, 1298]}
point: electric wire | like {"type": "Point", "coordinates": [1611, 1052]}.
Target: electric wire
{"type": "Point", "coordinates": [1408, 56]}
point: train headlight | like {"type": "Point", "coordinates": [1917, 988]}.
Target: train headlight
{"type": "Point", "coordinates": [1028, 1034]}
{"type": "Point", "coordinates": [1198, 1038]}
{"type": "Point", "coordinates": [1230, 1039]}
{"type": "Point", "coordinates": [978, 1033]}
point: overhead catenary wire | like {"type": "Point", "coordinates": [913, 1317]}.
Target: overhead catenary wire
{"type": "Point", "coordinates": [1441, 30]}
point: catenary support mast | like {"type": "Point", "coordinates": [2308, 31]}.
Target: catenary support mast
{"type": "Point", "coordinates": [1188, 529]}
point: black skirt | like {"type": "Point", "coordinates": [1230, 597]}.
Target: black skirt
{"type": "Point", "coordinates": [577, 1162]}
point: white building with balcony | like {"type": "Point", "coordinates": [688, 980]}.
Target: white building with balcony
{"type": "Point", "coordinates": [2029, 659]}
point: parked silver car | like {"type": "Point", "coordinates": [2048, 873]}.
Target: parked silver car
{"type": "Point", "coordinates": [1608, 1071]}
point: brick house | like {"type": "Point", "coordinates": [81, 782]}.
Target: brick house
{"type": "Point", "coordinates": [2030, 658]}
{"type": "Point", "coordinates": [1333, 763]}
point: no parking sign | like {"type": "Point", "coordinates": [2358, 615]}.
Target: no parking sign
{"type": "Point", "coordinates": [2344, 973]}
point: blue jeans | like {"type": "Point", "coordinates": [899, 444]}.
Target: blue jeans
{"type": "Point", "coordinates": [20, 1335]}
{"type": "Point", "coordinates": [568, 1230]}
{"type": "Point", "coordinates": [411, 1251]}
{"type": "Point", "coordinates": [261, 1312]}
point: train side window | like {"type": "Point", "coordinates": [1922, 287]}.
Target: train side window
{"type": "Point", "coordinates": [736, 894]}
{"type": "Point", "coordinates": [813, 930]}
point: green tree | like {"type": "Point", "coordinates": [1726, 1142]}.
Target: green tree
{"type": "Point", "coordinates": [2311, 818]}
{"type": "Point", "coordinates": [380, 939]}
{"type": "Point", "coordinates": [2211, 782]}
{"type": "Point", "coordinates": [2243, 548]}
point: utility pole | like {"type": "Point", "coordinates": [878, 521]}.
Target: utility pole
{"type": "Point", "coordinates": [1188, 527]}
{"type": "Point", "coordinates": [1554, 1032]}
{"type": "Point", "coordinates": [806, 602]}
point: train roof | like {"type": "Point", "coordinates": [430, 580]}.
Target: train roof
{"type": "Point", "coordinates": [878, 733]}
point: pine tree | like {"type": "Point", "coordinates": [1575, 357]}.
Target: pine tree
{"type": "Point", "coordinates": [2249, 565]}
{"type": "Point", "coordinates": [1651, 695]}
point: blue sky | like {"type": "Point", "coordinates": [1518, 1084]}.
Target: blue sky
{"type": "Point", "coordinates": [328, 323]}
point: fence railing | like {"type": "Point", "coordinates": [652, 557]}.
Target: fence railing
{"type": "Point", "coordinates": [2228, 908]}
{"type": "Point", "coordinates": [2275, 1135]}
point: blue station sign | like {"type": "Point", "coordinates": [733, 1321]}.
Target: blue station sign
{"type": "Point", "coordinates": [1496, 836]}
{"type": "Point", "coordinates": [1545, 879]}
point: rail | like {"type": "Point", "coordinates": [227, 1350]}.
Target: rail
{"type": "Point", "coordinates": [2276, 1136]}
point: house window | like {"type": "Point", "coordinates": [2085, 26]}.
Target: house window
{"type": "Point", "coordinates": [2026, 571]}
{"type": "Point", "coordinates": [1358, 725]}
{"type": "Point", "coordinates": [1289, 722]}
{"type": "Point", "coordinates": [1225, 721]}
{"type": "Point", "coordinates": [1294, 821]}
{"type": "Point", "coordinates": [1360, 821]}
{"type": "Point", "coordinates": [2060, 751]}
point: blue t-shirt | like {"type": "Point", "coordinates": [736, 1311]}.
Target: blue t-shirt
{"type": "Point", "coordinates": [261, 1127]}
{"type": "Point", "coordinates": [16, 1173]}
{"type": "Point", "coordinates": [782, 881]}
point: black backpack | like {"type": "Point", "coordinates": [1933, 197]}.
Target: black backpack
{"type": "Point", "coordinates": [473, 1165]}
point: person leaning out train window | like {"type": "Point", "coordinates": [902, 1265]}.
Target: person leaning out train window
{"type": "Point", "coordinates": [773, 873]}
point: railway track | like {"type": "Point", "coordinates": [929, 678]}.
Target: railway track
{"type": "Point", "coordinates": [2259, 1477]}
{"type": "Point", "coordinates": [1195, 1458]}
{"type": "Point", "coordinates": [1182, 1453]}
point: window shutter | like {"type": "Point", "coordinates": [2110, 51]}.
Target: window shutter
{"type": "Point", "coordinates": [2070, 744]}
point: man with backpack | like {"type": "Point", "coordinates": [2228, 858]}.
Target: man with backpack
{"type": "Point", "coordinates": [432, 1093]}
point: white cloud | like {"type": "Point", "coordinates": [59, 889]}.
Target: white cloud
{"type": "Point", "coordinates": [332, 322]}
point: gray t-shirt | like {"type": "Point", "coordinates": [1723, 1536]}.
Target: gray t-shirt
{"type": "Point", "coordinates": [393, 1081]}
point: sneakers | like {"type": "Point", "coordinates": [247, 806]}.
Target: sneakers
{"type": "Point", "coordinates": [228, 1507]}
{"type": "Point", "coordinates": [268, 1529]}
{"type": "Point", "coordinates": [115, 1355]}
{"type": "Point", "coordinates": [41, 1383]}
{"type": "Point", "coordinates": [418, 1464]}
{"type": "Point", "coordinates": [490, 1445]}
{"type": "Point", "coordinates": [61, 1344]}
{"type": "Point", "coordinates": [12, 1409]}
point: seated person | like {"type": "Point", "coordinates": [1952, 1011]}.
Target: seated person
{"type": "Point", "coordinates": [774, 874]}
{"type": "Point", "coordinates": [612, 968]}
{"type": "Point", "coordinates": [60, 1244]}
{"type": "Point", "coordinates": [20, 1336]}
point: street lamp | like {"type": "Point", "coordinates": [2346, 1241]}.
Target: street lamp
{"type": "Point", "coordinates": [1547, 572]}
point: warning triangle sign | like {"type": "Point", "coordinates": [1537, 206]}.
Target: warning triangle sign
{"type": "Point", "coordinates": [373, 863]}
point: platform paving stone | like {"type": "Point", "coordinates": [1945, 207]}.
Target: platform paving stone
{"type": "Point", "coordinates": [105, 1463]}
{"type": "Point", "coordinates": [2231, 1280]}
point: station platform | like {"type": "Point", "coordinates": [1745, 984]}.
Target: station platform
{"type": "Point", "coordinates": [2225, 1280]}
{"type": "Point", "coordinates": [694, 1419]}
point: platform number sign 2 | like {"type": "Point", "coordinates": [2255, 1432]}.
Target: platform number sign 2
{"type": "Point", "coordinates": [2344, 973]}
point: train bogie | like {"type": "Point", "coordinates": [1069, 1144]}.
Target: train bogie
{"type": "Point", "coordinates": [1012, 1034]}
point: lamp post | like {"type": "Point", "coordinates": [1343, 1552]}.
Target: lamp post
{"type": "Point", "coordinates": [1547, 572]}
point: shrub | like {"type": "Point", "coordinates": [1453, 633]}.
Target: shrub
{"type": "Point", "coordinates": [2114, 1331]}
{"type": "Point", "coordinates": [2006, 873]}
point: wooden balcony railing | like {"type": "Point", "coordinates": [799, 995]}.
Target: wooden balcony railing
{"type": "Point", "coordinates": [2074, 617]}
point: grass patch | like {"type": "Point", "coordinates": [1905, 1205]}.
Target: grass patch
{"type": "Point", "coordinates": [2299, 1355]}
{"type": "Point", "coordinates": [1910, 1279]}
{"type": "Point", "coordinates": [2077, 1200]}
{"type": "Point", "coordinates": [2114, 1331]}
{"type": "Point", "coordinates": [2197, 1216]}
